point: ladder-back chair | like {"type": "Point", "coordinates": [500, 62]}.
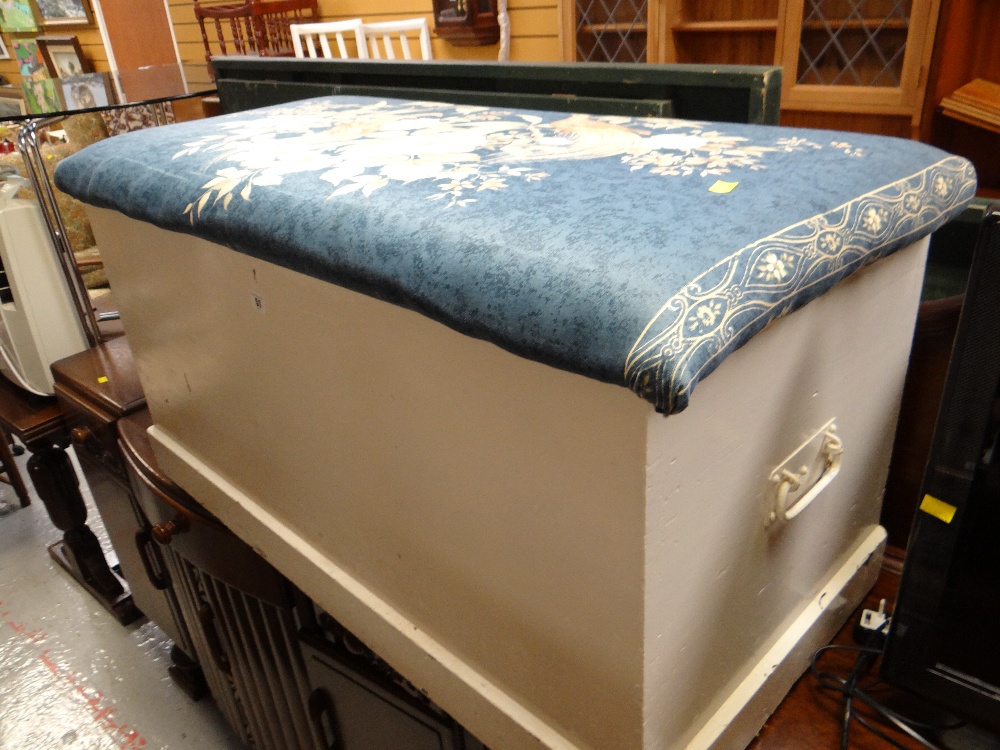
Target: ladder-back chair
{"type": "Point", "coordinates": [397, 33]}
{"type": "Point", "coordinates": [305, 37]}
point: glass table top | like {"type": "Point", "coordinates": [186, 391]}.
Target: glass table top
{"type": "Point", "coordinates": [95, 92]}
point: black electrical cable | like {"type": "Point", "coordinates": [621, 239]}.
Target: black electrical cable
{"type": "Point", "coordinates": [854, 694]}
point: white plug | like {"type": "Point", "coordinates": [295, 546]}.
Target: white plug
{"type": "Point", "coordinates": [875, 620]}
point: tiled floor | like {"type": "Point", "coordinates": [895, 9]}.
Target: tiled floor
{"type": "Point", "coordinates": [72, 677]}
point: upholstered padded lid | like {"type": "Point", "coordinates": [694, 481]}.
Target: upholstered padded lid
{"type": "Point", "coordinates": [635, 251]}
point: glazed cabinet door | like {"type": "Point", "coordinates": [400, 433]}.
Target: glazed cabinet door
{"type": "Point", "coordinates": [610, 30]}
{"type": "Point", "coordinates": [864, 56]}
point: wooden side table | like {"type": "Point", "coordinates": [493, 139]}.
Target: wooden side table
{"type": "Point", "coordinates": [38, 422]}
{"type": "Point", "coordinates": [95, 389]}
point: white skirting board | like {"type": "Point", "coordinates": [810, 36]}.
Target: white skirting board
{"type": "Point", "coordinates": [553, 562]}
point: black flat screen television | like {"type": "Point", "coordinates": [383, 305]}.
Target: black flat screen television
{"type": "Point", "coordinates": [944, 640]}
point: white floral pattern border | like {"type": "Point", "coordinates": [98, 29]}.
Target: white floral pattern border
{"type": "Point", "coordinates": [723, 307]}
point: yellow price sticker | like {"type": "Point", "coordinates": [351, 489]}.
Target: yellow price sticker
{"type": "Point", "coordinates": [102, 379]}
{"type": "Point", "coordinates": [723, 187]}
{"type": "Point", "coordinates": [938, 508]}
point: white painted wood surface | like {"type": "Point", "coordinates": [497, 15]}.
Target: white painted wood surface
{"type": "Point", "coordinates": [554, 562]}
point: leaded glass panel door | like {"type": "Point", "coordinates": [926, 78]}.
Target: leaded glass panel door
{"type": "Point", "coordinates": [610, 30]}
{"type": "Point", "coordinates": [856, 55]}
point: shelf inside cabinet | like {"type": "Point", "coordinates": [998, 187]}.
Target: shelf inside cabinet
{"type": "Point", "coordinates": [855, 24]}
{"type": "Point", "coordinates": [733, 47]}
{"type": "Point", "coordinates": [753, 24]}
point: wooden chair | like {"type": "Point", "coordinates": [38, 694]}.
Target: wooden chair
{"type": "Point", "coordinates": [9, 473]}
{"type": "Point", "coordinates": [271, 22]}
{"type": "Point", "coordinates": [392, 32]}
{"type": "Point", "coordinates": [252, 27]}
{"type": "Point", "coordinates": [305, 35]}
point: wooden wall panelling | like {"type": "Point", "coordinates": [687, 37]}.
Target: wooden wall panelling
{"type": "Point", "coordinates": [535, 27]}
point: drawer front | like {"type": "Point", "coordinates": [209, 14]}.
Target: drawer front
{"type": "Point", "coordinates": [92, 431]}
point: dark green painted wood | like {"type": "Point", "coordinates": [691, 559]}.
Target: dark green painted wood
{"type": "Point", "coordinates": [248, 94]}
{"type": "Point", "coordinates": [723, 93]}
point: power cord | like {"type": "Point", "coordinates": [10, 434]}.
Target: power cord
{"type": "Point", "coordinates": [870, 633]}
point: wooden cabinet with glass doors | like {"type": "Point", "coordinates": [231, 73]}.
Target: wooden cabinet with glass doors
{"type": "Point", "coordinates": [863, 59]}
{"type": "Point", "coordinates": [610, 30]}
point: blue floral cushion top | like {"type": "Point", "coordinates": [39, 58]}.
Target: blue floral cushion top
{"type": "Point", "coordinates": [632, 250]}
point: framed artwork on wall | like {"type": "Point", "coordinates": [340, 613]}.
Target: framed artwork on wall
{"type": "Point", "coordinates": [17, 16]}
{"type": "Point", "coordinates": [41, 96]}
{"type": "Point", "coordinates": [84, 92]}
{"type": "Point", "coordinates": [12, 104]}
{"type": "Point", "coordinates": [63, 56]}
{"type": "Point", "coordinates": [29, 59]}
{"type": "Point", "coordinates": [64, 13]}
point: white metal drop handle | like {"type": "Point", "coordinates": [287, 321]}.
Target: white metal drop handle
{"type": "Point", "coordinates": [832, 452]}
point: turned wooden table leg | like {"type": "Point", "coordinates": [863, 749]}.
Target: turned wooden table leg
{"type": "Point", "coordinates": [11, 470]}
{"type": "Point", "coordinates": [79, 552]}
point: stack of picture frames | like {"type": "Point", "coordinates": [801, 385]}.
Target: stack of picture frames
{"type": "Point", "coordinates": [55, 73]}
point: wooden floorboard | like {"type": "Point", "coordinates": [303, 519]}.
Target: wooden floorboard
{"type": "Point", "coordinates": [810, 718]}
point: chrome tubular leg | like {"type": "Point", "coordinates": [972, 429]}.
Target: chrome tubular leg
{"type": "Point", "coordinates": [27, 144]}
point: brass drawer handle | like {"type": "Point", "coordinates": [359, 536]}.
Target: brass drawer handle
{"type": "Point", "coordinates": [164, 532]}
{"type": "Point", "coordinates": [85, 437]}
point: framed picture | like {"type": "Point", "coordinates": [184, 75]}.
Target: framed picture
{"type": "Point", "coordinates": [63, 56]}
{"type": "Point", "coordinates": [17, 16]}
{"type": "Point", "coordinates": [87, 91]}
{"type": "Point", "coordinates": [64, 12]}
{"type": "Point", "coordinates": [12, 103]}
{"type": "Point", "coordinates": [4, 54]}
{"type": "Point", "coordinates": [41, 96]}
{"type": "Point", "coordinates": [29, 60]}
